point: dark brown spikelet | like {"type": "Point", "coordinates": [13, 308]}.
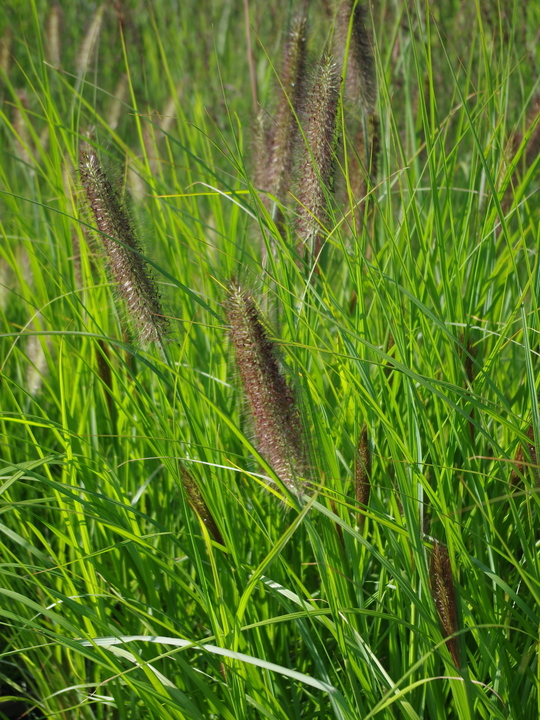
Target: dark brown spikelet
{"type": "Point", "coordinates": [361, 77]}
{"type": "Point", "coordinates": [317, 169]}
{"type": "Point", "coordinates": [442, 588]}
{"type": "Point", "coordinates": [362, 474]}
{"type": "Point", "coordinates": [522, 458]}
{"type": "Point", "coordinates": [358, 178]}
{"type": "Point", "coordinates": [374, 139]}
{"type": "Point", "coordinates": [533, 145]}
{"type": "Point", "coordinates": [468, 359]}
{"type": "Point", "coordinates": [199, 506]}
{"type": "Point", "coordinates": [530, 153]}
{"type": "Point", "coordinates": [285, 132]}
{"type": "Point", "coordinates": [104, 372]}
{"type": "Point", "coordinates": [390, 345]}
{"type": "Point", "coordinates": [277, 422]}
{"type": "Point", "coordinates": [134, 280]}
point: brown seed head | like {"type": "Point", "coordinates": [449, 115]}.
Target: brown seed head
{"type": "Point", "coordinates": [358, 178]}
{"type": "Point", "coordinates": [361, 78]}
{"type": "Point", "coordinates": [134, 280]}
{"type": "Point", "coordinates": [442, 588]}
{"type": "Point", "coordinates": [374, 138]}
{"type": "Point", "coordinates": [362, 474]}
{"type": "Point", "coordinates": [199, 505]}
{"type": "Point", "coordinates": [291, 95]}
{"type": "Point", "coordinates": [271, 401]}
{"type": "Point", "coordinates": [533, 145]}
{"type": "Point", "coordinates": [318, 160]}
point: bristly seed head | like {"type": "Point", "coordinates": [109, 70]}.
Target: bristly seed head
{"type": "Point", "coordinates": [199, 505]}
{"type": "Point", "coordinates": [271, 401]}
{"type": "Point", "coordinates": [362, 474]}
{"type": "Point", "coordinates": [361, 78]}
{"type": "Point", "coordinates": [442, 588]}
{"type": "Point", "coordinates": [123, 252]}
{"type": "Point", "coordinates": [318, 160]}
{"type": "Point", "coordinates": [291, 96]}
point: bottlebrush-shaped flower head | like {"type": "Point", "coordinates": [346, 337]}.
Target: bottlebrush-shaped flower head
{"type": "Point", "coordinates": [318, 159]}
{"type": "Point", "coordinates": [291, 96]}
{"type": "Point", "coordinates": [125, 263]}
{"type": "Point", "coordinates": [362, 474]}
{"type": "Point", "coordinates": [199, 505]}
{"type": "Point", "coordinates": [442, 588]}
{"type": "Point", "coordinates": [276, 418]}
{"type": "Point", "coordinates": [361, 77]}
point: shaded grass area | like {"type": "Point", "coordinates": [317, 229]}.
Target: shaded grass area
{"type": "Point", "coordinates": [419, 322]}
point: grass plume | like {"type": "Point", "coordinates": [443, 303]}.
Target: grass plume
{"type": "Point", "coordinates": [318, 159]}
{"type": "Point", "coordinates": [442, 588]}
{"type": "Point", "coordinates": [271, 401]}
{"type": "Point", "coordinates": [358, 63]}
{"type": "Point", "coordinates": [362, 474]}
{"type": "Point", "coordinates": [53, 35]}
{"type": "Point", "coordinates": [291, 94]}
{"type": "Point", "coordinates": [199, 505]}
{"type": "Point", "coordinates": [134, 280]}
{"type": "Point", "coordinates": [90, 41]}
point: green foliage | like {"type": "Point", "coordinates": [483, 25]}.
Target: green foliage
{"type": "Point", "coordinates": [124, 467]}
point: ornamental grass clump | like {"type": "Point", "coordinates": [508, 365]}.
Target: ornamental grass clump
{"type": "Point", "coordinates": [442, 588]}
{"type": "Point", "coordinates": [123, 257]}
{"type": "Point", "coordinates": [317, 170]}
{"type": "Point", "coordinates": [277, 423]}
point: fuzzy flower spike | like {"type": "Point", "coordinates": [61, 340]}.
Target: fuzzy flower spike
{"type": "Point", "coordinates": [122, 250]}
{"type": "Point", "coordinates": [285, 131]}
{"type": "Point", "coordinates": [271, 401]}
{"type": "Point", "coordinates": [318, 160]}
{"type": "Point", "coordinates": [442, 588]}
{"type": "Point", "coordinates": [361, 78]}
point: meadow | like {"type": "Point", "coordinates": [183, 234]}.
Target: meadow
{"type": "Point", "coordinates": [269, 350]}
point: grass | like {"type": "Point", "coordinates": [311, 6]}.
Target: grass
{"type": "Point", "coordinates": [419, 322]}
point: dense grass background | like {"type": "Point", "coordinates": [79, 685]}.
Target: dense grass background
{"type": "Point", "coordinates": [110, 585]}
